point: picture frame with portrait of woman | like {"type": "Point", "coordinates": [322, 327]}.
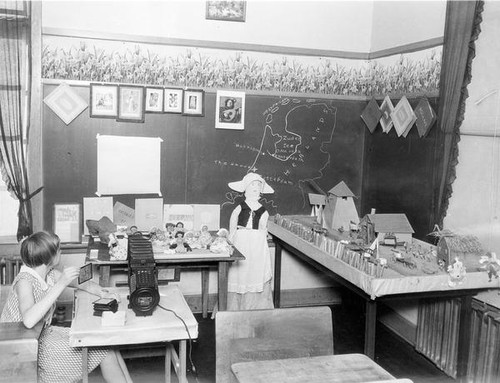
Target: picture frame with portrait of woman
{"type": "Point", "coordinates": [193, 103]}
{"type": "Point", "coordinates": [173, 100]}
{"type": "Point", "coordinates": [230, 110]}
{"type": "Point", "coordinates": [154, 100]}
{"type": "Point", "coordinates": [130, 103]}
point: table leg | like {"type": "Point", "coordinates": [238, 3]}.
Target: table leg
{"type": "Point", "coordinates": [182, 361]}
{"type": "Point", "coordinates": [205, 272]}
{"type": "Point", "coordinates": [85, 360]}
{"type": "Point", "coordinates": [464, 337]}
{"type": "Point", "coordinates": [168, 361]}
{"type": "Point", "coordinates": [370, 326]}
{"type": "Point", "coordinates": [277, 275]}
{"type": "Point", "coordinates": [104, 273]}
{"type": "Point", "coordinates": [223, 270]}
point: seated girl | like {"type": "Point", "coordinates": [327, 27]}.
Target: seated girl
{"type": "Point", "coordinates": [33, 298]}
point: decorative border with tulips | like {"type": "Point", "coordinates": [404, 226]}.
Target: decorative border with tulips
{"type": "Point", "coordinates": [160, 65]}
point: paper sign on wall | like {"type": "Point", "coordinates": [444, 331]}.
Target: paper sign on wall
{"type": "Point", "coordinates": [149, 213]}
{"type": "Point", "coordinates": [128, 165]}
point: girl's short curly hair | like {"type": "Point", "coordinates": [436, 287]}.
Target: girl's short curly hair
{"type": "Point", "coordinates": [40, 248]}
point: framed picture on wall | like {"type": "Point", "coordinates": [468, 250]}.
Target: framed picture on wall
{"type": "Point", "coordinates": [130, 103]}
{"type": "Point", "coordinates": [67, 222]}
{"type": "Point", "coordinates": [193, 102]}
{"type": "Point", "coordinates": [103, 101]}
{"type": "Point", "coordinates": [226, 10]}
{"type": "Point", "coordinates": [66, 103]}
{"type": "Point", "coordinates": [154, 100]}
{"type": "Point", "coordinates": [230, 110]}
{"type": "Point", "coordinates": [173, 100]}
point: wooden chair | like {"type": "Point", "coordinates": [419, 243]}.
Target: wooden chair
{"type": "Point", "coordinates": [242, 336]}
{"type": "Point", "coordinates": [18, 348]}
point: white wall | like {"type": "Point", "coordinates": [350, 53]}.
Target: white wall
{"type": "Point", "coordinates": [475, 203]}
{"type": "Point", "coordinates": [350, 26]}
{"type": "Point", "coordinates": [397, 23]}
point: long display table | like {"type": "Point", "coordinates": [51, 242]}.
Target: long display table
{"type": "Point", "coordinates": [391, 285]}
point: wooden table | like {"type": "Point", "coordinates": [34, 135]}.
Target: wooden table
{"type": "Point", "coordinates": [197, 259]}
{"type": "Point", "coordinates": [347, 368]}
{"type": "Point", "coordinates": [163, 326]}
{"type": "Point", "coordinates": [391, 286]}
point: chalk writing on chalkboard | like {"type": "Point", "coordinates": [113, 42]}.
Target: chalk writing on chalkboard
{"type": "Point", "coordinates": [294, 146]}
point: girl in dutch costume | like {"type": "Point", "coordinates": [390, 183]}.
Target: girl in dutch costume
{"type": "Point", "coordinates": [249, 280]}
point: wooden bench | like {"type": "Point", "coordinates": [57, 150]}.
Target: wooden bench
{"type": "Point", "coordinates": [18, 348]}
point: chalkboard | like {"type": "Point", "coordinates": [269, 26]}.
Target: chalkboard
{"type": "Point", "coordinates": [287, 140]}
{"type": "Point", "coordinates": [400, 174]}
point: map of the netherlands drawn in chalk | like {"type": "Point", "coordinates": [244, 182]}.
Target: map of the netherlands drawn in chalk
{"type": "Point", "coordinates": [294, 147]}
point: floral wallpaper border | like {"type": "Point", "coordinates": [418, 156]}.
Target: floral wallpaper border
{"type": "Point", "coordinates": [89, 60]}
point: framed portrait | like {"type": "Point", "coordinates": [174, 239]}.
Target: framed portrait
{"type": "Point", "coordinates": [130, 103]}
{"type": "Point", "coordinates": [154, 100]}
{"type": "Point", "coordinates": [226, 10]}
{"type": "Point", "coordinates": [386, 120]}
{"type": "Point", "coordinates": [103, 101]}
{"type": "Point", "coordinates": [193, 102]}
{"type": "Point", "coordinates": [66, 103]}
{"type": "Point", "coordinates": [230, 110]}
{"type": "Point", "coordinates": [173, 100]}
{"type": "Point", "coordinates": [67, 222]}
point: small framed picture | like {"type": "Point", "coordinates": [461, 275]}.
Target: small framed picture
{"type": "Point", "coordinates": [130, 103]}
{"type": "Point", "coordinates": [193, 102]}
{"type": "Point", "coordinates": [173, 100]}
{"type": "Point", "coordinates": [66, 103]}
{"type": "Point", "coordinates": [67, 222]}
{"type": "Point", "coordinates": [154, 100]}
{"type": "Point", "coordinates": [226, 10]}
{"type": "Point", "coordinates": [230, 110]}
{"type": "Point", "coordinates": [103, 101]}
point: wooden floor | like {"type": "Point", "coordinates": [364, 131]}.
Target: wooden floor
{"type": "Point", "coordinates": [396, 356]}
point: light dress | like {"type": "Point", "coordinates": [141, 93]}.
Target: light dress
{"type": "Point", "coordinates": [249, 280]}
{"type": "Point", "coordinates": [57, 360]}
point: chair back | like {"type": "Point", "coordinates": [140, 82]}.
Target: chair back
{"type": "Point", "coordinates": [18, 348]}
{"type": "Point", "coordinates": [242, 336]}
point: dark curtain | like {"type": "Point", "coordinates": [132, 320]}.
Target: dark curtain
{"type": "Point", "coordinates": [462, 27]}
{"type": "Point", "coordinates": [14, 99]}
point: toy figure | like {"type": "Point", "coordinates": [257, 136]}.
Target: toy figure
{"type": "Point", "coordinates": [491, 264]}
{"type": "Point", "coordinates": [456, 272]}
{"type": "Point", "coordinates": [170, 230]}
{"type": "Point", "coordinates": [221, 243]}
{"type": "Point", "coordinates": [249, 281]}
{"type": "Point", "coordinates": [205, 237]}
{"type": "Point", "coordinates": [180, 246]}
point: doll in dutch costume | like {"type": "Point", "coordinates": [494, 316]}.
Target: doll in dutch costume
{"type": "Point", "coordinates": [249, 280]}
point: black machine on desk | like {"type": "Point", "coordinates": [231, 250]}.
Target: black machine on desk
{"type": "Point", "coordinates": [142, 276]}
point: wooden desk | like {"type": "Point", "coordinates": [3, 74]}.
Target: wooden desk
{"type": "Point", "coordinates": [163, 326]}
{"type": "Point", "coordinates": [347, 368]}
{"type": "Point", "coordinates": [197, 259]}
{"type": "Point", "coordinates": [391, 286]}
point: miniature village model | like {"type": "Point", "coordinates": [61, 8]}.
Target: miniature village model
{"type": "Point", "coordinates": [383, 240]}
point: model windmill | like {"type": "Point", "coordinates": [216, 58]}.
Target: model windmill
{"type": "Point", "coordinates": [336, 209]}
